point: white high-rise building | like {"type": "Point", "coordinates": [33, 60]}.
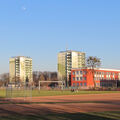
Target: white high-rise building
{"type": "Point", "coordinates": [20, 69]}
{"type": "Point", "coordinates": [66, 61]}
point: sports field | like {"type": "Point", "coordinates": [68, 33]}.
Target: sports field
{"type": "Point", "coordinates": [83, 105]}
{"type": "Point", "coordinates": [37, 93]}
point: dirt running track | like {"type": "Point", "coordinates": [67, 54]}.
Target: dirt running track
{"type": "Point", "coordinates": [61, 104]}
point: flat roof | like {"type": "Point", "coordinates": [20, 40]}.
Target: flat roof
{"type": "Point", "coordinates": [70, 51]}
{"type": "Point", "coordinates": [20, 56]}
{"type": "Point", "coordinates": [105, 69]}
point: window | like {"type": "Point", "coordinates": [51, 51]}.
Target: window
{"type": "Point", "coordinates": [77, 78]}
{"type": "Point", "coordinates": [84, 84]}
{"type": "Point", "coordinates": [81, 72]}
{"type": "Point", "coordinates": [80, 84]}
{"type": "Point", "coordinates": [77, 84]}
{"type": "Point", "coordinates": [84, 78]}
{"type": "Point", "coordinates": [80, 78]}
{"type": "Point", "coordinates": [77, 72]}
{"type": "Point", "coordinates": [98, 84]}
{"type": "Point", "coordinates": [85, 72]}
{"type": "Point", "coordinates": [73, 73]}
{"type": "Point", "coordinates": [73, 78]}
{"type": "Point", "coordinates": [73, 84]}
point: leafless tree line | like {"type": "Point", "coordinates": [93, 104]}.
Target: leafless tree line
{"type": "Point", "coordinates": [37, 76]}
{"type": "Point", "coordinates": [4, 79]}
{"type": "Point", "coordinates": [44, 76]}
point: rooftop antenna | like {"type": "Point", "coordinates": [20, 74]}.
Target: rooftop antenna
{"type": "Point", "coordinates": [66, 48]}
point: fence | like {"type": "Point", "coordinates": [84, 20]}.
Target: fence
{"type": "Point", "coordinates": [19, 90]}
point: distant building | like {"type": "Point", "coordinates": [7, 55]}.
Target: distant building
{"type": "Point", "coordinates": [102, 78]}
{"type": "Point", "coordinates": [66, 61]}
{"type": "Point", "coordinates": [20, 69]}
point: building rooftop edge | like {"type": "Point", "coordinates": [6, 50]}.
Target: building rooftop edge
{"type": "Point", "coordinates": [105, 69]}
{"type": "Point", "coordinates": [21, 56]}
{"type": "Point", "coordinates": [70, 51]}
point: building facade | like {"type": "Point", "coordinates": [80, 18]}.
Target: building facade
{"type": "Point", "coordinates": [20, 69]}
{"type": "Point", "coordinates": [101, 78]}
{"type": "Point", "coordinates": [68, 60]}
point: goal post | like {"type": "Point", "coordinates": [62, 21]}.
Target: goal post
{"type": "Point", "coordinates": [18, 90]}
{"type": "Point", "coordinates": [61, 82]}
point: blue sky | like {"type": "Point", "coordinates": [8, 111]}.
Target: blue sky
{"type": "Point", "coordinates": [42, 28]}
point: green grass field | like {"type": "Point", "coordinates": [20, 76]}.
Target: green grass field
{"type": "Point", "coordinates": [37, 93]}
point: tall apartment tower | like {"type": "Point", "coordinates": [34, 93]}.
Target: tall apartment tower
{"type": "Point", "coordinates": [66, 61]}
{"type": "Point", "coordinates": [20, 69]}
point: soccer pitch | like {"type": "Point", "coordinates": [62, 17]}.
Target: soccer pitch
{"type": "Point", "coordinates": [37, 93]}
{"type": "Point", "coordinates": [54, 105]}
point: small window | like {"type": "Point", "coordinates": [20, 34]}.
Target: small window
{"type": "Point", "coordinates": [98, 84]}
{"type": "Point", "coordinates": [84, 84]}
{"type": "Point", "coordinates": [80, 84]}
{"type": "Point", "coordinates": [77, 84]}
{"type": "Point", "coordinates": [84, 78]}
{"type": "Point", "coordinates": [80, 78]}
{"type": "Point", "coordinates": [73, 84]}
{"type": "Point", "coordinates": [81, 72]}
{"type": "Point", "coordinates": [77, 72]}
{"type": "Point", "coordinates": [73, 78]}
{"type": "Point", "coordinates": [85, 72]}
{"type": "Point", "coordinates": [77, 78]}
{"type": "Point", "coordinates": [73, 73]}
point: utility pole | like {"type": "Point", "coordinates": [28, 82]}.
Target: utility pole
{"type": "Point", "coordinates": [39, 85]}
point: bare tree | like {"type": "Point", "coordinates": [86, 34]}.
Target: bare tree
{"type": "Point", "coordinates": [92, 64]}
{"type": "Point", "coordinates": [4, 78]}
{"type": "Point", "coordinates": [42, 78]}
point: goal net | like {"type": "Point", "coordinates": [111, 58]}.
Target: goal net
{"type": "Point", "coordinates": [22, 91]}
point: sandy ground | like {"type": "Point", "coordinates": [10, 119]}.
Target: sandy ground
{"type": "Point", "coordinates": [62, 104]}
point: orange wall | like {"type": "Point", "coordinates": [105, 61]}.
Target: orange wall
{"type": "Point", "coordinates": [89, 77]}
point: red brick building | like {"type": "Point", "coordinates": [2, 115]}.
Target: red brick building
{"type": "Point", "coordinates": [102, 78]}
